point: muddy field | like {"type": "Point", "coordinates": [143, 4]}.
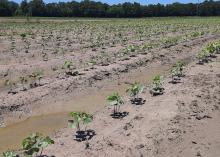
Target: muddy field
{"type": "Point", "coordinates": [51, 67]}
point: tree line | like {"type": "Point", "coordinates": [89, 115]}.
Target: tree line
{"type": "Point", "coordinates": [89, 8]}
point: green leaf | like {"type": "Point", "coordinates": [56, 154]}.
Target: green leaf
{"type": "Point", "coordinates": [45, 142]}
{"type": "Point", "coordinates": [72, 124]}
{"type": "Point", "coordinates": [49, 140]}
{"type": "Point", "coordinates": [88, 120]}
{"type": "Point", "coordinates": [34, 143]}
{"type": "Point", "coordinates": [9, 154]}
{"type": "Point", "coordinates": [79, 116]}
{"type": "Point", "coordinates": [135, 89]}
{"type": "Point", "coordinates": [115, 99]}
{"type": "Point", "coordinates": [113, 102]}
{"type": "Point", "coordinates": [8, 83]}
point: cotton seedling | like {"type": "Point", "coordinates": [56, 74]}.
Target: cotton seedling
{"type": "Point", "coordinates": [208, 52]}
{"type": "Point", "coordinates": [36, 79]}
{"type": "Point", "coordinates": [175, 75]}
{"type": "Point", "coordinates": [157, 87]}
{"type": "Point", "coordinates": [10, 154]}
{"type": "Point", "coordinates": [23, 35]}
{"type": "Point", "coordinates": [146, 47]}
{"type": "Point", "coordinates": [217, 47]}
{"type": "Point", "coordinates": [67, 65]}
{"type": "Point", "coordinates": [35, 144]}
{"type": "Point", "coordinates": [78, 118]}
{"type": "Point", "coordinates": [135, 90]}
{"type": "Point", "coordinates": [179, 65]}
{"type": "Point", "coordinates": [23, 81]}
{"type": "Point", "coordinates": [69, 68]}
{"type": "Point", "coordinates": [171, 41]}
{"type": "Point", "coordinates": [131, 48]}
{"type": "Point", "coordinates": [177, 71]}
{"type": "Point", "coordinates": [115, 100]}
{"type": "Point", "coordinates": [32, 146]}
{"type": "Point", "coordinates": [203, 57]}
{"type": "Point", "coordinates": [211, 49]}
{"type": "Point", "coordinates": [11, 85]}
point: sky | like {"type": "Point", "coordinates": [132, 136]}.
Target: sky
{"type": "Point", "coordinates": [122, 1]}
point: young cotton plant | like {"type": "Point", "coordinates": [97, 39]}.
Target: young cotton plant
{"type": "Point", "coordinates": [179, 65]}
{"type": "Point", "coordinates": [31, 146]}
{"type": "Point", "coordinates": [67, 65]}
{"type": "Point", "coordinates": [78, 118]}
{"type": "Point", "coordinates": [10, 154]}
{"type": "Point", "coordinates": [8, 83]}
{"type": "Point", "coordinates": [36, 79]}
{"type": "Point", "coordinates": [170, 41]}
{"type": "Point", "coordinates": [35, 143]}
{"type": "Point", "coordinates": [11, 85]}
{"type": "Point", "coordinates": [69, 68]}
{"type": "Point", "coordinates": [135, 90]}
{"type": "Point", "coordinates": [213, 48]}
{"type": "Point", "coordinates": [210, 48]}
{"type": "Point", "coordinates": [175, 75]}
{"type": "Point", "coordinates": [216, 45]}
{"type": "Point", "coordinates": [115, 100]}
{"type": "Point", "coordinates": [203, 57]}
{"type": "Point", "coordinates": [131, 50]}
{"type": "Point", "coordinates": [23, 81]}
{"type": "Point", "coordinates": [157, 88]}
{"type": "Point", "coordinates": [208, 52]}
{"type": "Point", "coordinates": [177, 71]}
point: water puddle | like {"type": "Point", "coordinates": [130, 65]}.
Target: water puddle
{"type": "Point", "coordinates": [52, 117]}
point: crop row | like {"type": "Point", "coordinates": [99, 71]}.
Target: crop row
{"type": "Point", "coordinates": [35, 143]}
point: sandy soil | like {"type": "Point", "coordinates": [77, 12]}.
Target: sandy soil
{"type": "Point", "coordinates": [184, 121]}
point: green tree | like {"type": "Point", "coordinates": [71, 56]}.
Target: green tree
{"type": "Point", "coordinates": [24, 7]}
{"type": "Point", "coordinates": [37, 8]}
